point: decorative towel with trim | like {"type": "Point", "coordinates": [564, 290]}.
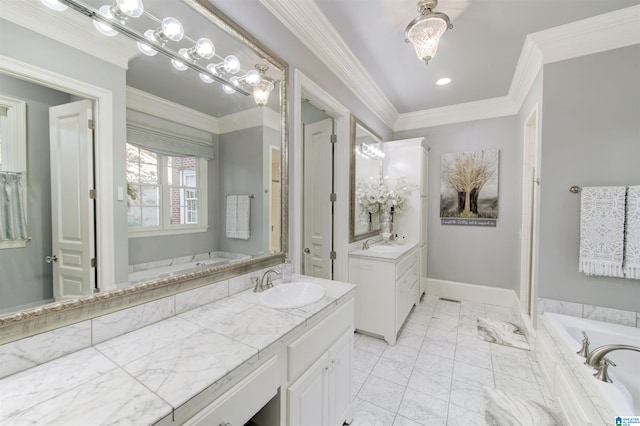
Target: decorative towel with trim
{"type": "Point", "coordinates": [602, 215]}
{"type": "Point", "coordinates": [632, 236]}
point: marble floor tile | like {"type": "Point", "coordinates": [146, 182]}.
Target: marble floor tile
{"type": "Point", "coordinates": [467, 396]}
{"type": "Point", "coordinates": [381, 392]}
{"type": "Point", "coordinates": [423, 408]}
{"type": "Point", "coordinates": [371, 344]}
{"type": "Point", "coordinates": [523, 389]}
{"type": "Point", "coordinates": [459, 416]}
{"type": "Point", "coordinates": [393, 371]}
{"type": "Point", "coordinates": [444, 335]}
{"type": "Point", "coordinates": [473, 357]}
{"type": "Point", "coordinates": [443, 324]}
{"type": "Point", "coordinates": [438, 347]}
{"type": "Point", "coordinates": [475, 376]}
{"type": "Point", "coordinates": [363, 360]}
{"type": "Point", "coordinates": [473, 342]}
{"type": "Point", "coordinates": [367, 414]}
{"type": "Point", "coordinates": [410, 340]}
{"type": "Point", "coordinates": [435, 364]}
{"type": "Point", "coordinates": [430, 383]}
{"type": "Point", "coordinates": [403, 354]}
{"type": "Point", "coordinates": [518, 368]}
{"type": "Point", "coordinates": [403, 421]}
{"type": "Point", "coordinates": [359, 377]}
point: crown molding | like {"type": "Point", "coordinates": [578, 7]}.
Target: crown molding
{"type": "Point", "coordinates": [468, 111]}
{"type": "Point", "coordinates": [254, 117]}
{"type": "Point", "coordinates": [307, 22]}
{"type": "Point", "coordinates": [71, 28]}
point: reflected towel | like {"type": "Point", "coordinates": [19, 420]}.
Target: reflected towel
{"type": "Point", "coordinates": [602, 215]}
{"type": "Point", "coordinates": [238, 216]}
{"type": "Point", "coordinates": [632, 236]}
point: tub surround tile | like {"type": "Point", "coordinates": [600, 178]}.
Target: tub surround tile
{"type": "Point", "coordinates": [178, 372]}
{"type": "Point", "coordinates": [614, 316]}
{"type": "Point", "coordinates": [195, 298]}
{"type": "Point", "coordinates": [130, 403]}
{"type": "Point", "coordinates": [121, 322]}
{"type": "Point", "coordinates": [26, 353]}
{"type": "Point", "coordinates": [29, 388]}
{"type": "Point", "coordinates": [559, 307]}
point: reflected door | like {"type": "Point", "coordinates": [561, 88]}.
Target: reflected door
{"type": "Point", "coordinates": [318, 175]}
{"type": "Point", "coordinates": [72, 207]}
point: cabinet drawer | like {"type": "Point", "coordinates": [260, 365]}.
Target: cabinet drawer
{"type": "Point", "coordinates": [406, 263]}
{"type": "Point", "coordinates": [308, 348]}
{"type": "Point", "coordinates": [243, 400]}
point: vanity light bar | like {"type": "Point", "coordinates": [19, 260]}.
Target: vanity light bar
{"type": "Point", "coordinates": [99, 17]}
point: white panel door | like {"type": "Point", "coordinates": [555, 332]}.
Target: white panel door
{"type": "Point", "coordinates": [72, 209]}
{"type": "Point", "coordinates": [317, 205]}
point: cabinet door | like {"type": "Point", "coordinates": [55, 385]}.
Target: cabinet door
{"type": "Point", "coordinates": [340, 383]}
{"type": "Point", "coordinates": [308, 396]}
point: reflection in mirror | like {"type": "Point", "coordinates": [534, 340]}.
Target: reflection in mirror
{"type": "Point", "coordinates": [366, 171]}
{"type": "Point", "coordinates": [200, 175]}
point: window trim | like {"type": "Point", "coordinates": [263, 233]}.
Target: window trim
{"type": "Point", "coordinates": [166, 228]}
{"type": "Point", "coordinates": [17, 145]}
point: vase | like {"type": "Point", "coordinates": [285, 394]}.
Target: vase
{"type": "Point", "coordinates": [386, 225]}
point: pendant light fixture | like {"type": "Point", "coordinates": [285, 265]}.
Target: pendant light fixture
{"type": "Point", "coordinates": [426, 30]}
{"type": "Point", "coordinates": [263, 88]}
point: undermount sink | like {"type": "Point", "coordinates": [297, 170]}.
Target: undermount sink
{"type": "Point", "coordinates": [294, 295]}
{"type": "Point", "coordinates": [382, 249]}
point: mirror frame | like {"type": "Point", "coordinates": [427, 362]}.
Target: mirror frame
{"type": "Point", "coordinates": [355, 123]}
{"type": "Point", "coordinates": [26, 323]}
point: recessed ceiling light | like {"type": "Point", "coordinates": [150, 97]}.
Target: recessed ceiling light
{"type": "Point", "coordinates": [443, 81]}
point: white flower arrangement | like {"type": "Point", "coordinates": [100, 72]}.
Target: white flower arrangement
{"type": "Point", "coordinates": [375, 194]}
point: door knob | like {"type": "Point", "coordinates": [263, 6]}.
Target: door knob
{"type": "Point", "coordinates": [307, 251]}
{"type": "Point", "coordinates": [50, 259]}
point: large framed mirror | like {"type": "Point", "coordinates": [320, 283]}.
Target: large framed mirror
{"type": "Point", "coordinates": [186, 173]}
{"type": "Point", "coordinates": [365, 174]}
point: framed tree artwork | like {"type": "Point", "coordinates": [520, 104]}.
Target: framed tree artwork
{"type": "Point", "coordinates": [469, 188]}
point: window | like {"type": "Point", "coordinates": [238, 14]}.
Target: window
{"type": "Point", "coordinates": [167, 194]}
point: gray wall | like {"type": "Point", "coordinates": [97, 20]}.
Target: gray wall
{"type": "Point", "coordinates": [26, 46]}
{"type": "Point", "coordinates": [241, 172]}
{"type": "Point", "coordinates": [475, 255]}
{"type": "Point", "coordinates": [590, 137]}
{"type": "Point", "coordinates": [25, 277]}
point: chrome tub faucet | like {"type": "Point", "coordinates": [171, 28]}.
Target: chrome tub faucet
{"type": "Point", "coordinates": [597, 360]}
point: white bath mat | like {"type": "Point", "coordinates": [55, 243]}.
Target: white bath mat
{"type": "Point", "coordinates": [502, 333]}
{"type": "Point", "coordinates": [506, 410]}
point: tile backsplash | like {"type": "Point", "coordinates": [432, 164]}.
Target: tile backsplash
{"type": "Point", "coordinates": [614, 316]}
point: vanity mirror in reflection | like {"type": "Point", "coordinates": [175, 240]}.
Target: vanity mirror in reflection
{"type": "Point", "coordinates": [138, 168]}
{"type": "Point", "coordinates": [366, 174]}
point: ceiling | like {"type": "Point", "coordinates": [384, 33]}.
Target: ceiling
{"type": "Point", "coordinates": [479, 54]}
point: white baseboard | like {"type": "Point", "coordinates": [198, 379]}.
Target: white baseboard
{"type": "Point", "coordinates": [474, 293]}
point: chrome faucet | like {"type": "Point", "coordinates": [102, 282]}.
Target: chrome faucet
{"type": "Point", "coordinates": [365, 245]}
{"type": "Point", "coordinates": [260, 283]}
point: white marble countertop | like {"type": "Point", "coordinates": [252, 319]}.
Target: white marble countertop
{"type": "Point", "coordinates": [391, 251]}
{"type": "Point", "coordinates": [150, 374]}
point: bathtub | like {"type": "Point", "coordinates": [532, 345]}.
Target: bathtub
{"type": "Point", "coordinates": [170, 267]}
{"type": "Point", "coordinates": [581, 398]}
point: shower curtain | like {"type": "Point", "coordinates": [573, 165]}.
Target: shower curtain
{"type": "Point", "coordinates": [13, 223]}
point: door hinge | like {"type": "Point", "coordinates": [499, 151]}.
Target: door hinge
{"type": "Point", "coordinates": [91, 124]}
{"type": "Point", "coordinates": [332, 197]}
{"type": "Point", "coordinates": [92, 194]}
{"type": "Point", "coordinates": [332, 255]}
{"type": "Point", "coordinates": [94, 262]}
{"type": "Point", "coordinates": [334, 138]}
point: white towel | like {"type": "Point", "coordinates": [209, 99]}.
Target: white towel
{"type": "Point", "coordinates": [602, 214]}
{"type": "Point", "coordinates": [632, 236]}
{"type": "Point", "coordinates": [243, 217]}
{"type": "Point", "coordinates": [232, 214]}
{"type": "Point", "coordinates": [238, 216]}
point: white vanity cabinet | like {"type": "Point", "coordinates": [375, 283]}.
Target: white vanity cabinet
{"type": "Point", "coordinates": [320, 364]}
{"type": "Point", "coordinates": [387, 290]}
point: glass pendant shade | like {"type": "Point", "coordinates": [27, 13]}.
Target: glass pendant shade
{"type": "Point", "coordinates": [55, 5]}
{"type": "Point", "coordinates": [262, 91]}
{"type": "Point", "coordinates": [425, 31]}
{"type": "Point", "coordinates": [105, 29]}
